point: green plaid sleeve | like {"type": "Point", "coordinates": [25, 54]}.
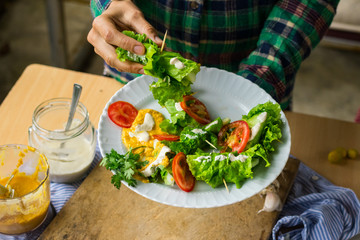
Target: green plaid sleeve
{"type": "Point", "coordinates": [291, 31]}
{"type": "Point", "coordinates": [264, 41]}
{"type": "Point", "coordinates": [99, 6]}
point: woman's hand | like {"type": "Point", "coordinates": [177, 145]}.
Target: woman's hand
{"type": "Point", "coordinates": [105, 34]}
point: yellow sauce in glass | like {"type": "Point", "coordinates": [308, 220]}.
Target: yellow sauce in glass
{"type": "Point", "coordinates": [29, 205]}
{"type": "Point", "coordinates": [21, 183]}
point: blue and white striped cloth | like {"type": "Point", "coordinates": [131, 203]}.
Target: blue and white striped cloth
{"type": "Point", "coordinates": [315, 208]}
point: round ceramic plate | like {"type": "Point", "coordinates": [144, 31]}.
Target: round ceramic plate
{"type": "Point", "coordinates": [226, 95]}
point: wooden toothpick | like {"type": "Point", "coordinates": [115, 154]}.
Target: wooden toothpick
{"type": "Point", "coordinates": [226, 186]}
{"type": "Point", "coordinates": [212, 145]}
{"type": "Point", "coordinates": [163, 43]}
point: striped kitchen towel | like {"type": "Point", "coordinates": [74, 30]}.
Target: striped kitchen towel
{"type": "Point", "coordinates": [317, 209]}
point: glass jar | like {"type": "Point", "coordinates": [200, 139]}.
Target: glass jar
{"type": "Point", "coordinates": [69, 152]}
{"type": "Point", "coordinates": [24, 174]}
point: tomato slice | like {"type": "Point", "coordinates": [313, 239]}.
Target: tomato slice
{"type": "Point", "coordinates": [234, 135]}
{"type": "Point", "coordinates": [182, 175]}
{"type": "Point", "coordinates": [195, 109]}
{"type": "Point", "coordinates": [166, 137]}
{"type": "Point", "coordinates": [122, 113]}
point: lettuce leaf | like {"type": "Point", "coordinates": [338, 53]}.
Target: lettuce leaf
{"type": "Point", "coordinates": [178, 119]}
{"type": "Point", "coordinates": [214, 172]}
{"type": "Point", "coordinates": [208, 169]}
{"type": "Point", "coordinates": [165, 89]}
{"type": "Point", "coordinates": [214, 168]}
{"type": "Point", "coordinates": [185, 75]}
{"type": "Point", "coordinates": [163, 174]}
{"type": "Point", "coordinates": [214, 126]}
{"type": "Point", "coordinates": [157, 64]}
{"type": "Point", "coordinates": [272, 129]}
{"type": "Point", "coordinates": [192, 139]}
{"type": "Point", "coordinates": [151, 49]}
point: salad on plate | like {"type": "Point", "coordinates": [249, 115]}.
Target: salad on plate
{"type": "Point", "coordinates": [192, 144]}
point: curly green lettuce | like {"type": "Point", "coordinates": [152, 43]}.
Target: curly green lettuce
{"type": "Point", "coordinates": [178, 119]}
{"type": "Point", "coordinates": [272, 129]}
{"type": "Point", "coordinates": [214, 168]}
{"type": "Point", "coordinates": [192, 140]}
{"type": "Point", "coordinates": [167, 89]}
{"type": "Point", "coordinates": [205, 167]}
{"type": "Point", "coordinates": [157, 64]}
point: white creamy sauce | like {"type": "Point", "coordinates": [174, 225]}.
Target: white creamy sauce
{"type": "Point", "coordinates": [141, 136]}
{"type": "Point", "coordinates": [262, 116]}
{"type": "Point", "coordinates": [177, 63]}
{"type": "Point", "coordinates": [155, 143]}
{"type": "Point", "coordinates": [255, 129]}
{"type": "Point", "coordinates": [141, 130]}
{"type": "Point", "coordinates": [213, 123]}
{"type": "Point", "coordinates": [178, 106]}
{"type": "Point", "coordinates": [190, 136]}
{"type": "Point", "coordinates": [70, 162]}
{"type": "Point", "coordinates": [240, 157]}
{"type": "Point", "coordinates": [203, 158]}
{"type": "Point", "coordinates": [220, 158]}
{"type": "Point", "coordinates": [147, 125]}
{"type": "Point", "coordinates": [149, 170]}
{"type": "Point", "coordinates": [198, 131]}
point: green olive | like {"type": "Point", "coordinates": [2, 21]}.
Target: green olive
{"type": "Point", "coordinates": [335, 156]}
{"type": "Point", "coordinates": [342, 151]}
{"type": "Point", "coordinates": [352, 153]}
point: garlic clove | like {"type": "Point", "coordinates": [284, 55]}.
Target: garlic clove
{"type": "Point", "coordinates": [272, 203]}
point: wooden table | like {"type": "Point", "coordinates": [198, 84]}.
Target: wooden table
{"type": "Point", "coordinates": [98, 210]}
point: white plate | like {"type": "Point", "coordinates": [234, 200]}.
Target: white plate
{"type": "Point", "coordinates": [226, 95]}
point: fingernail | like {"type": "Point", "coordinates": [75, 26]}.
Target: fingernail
{"type": "Point", "coordinates": [157, 39]}
{"type": "Point", "coordinates": [141, 71]}
{"type": "Point", "coordinates": [138, 50]}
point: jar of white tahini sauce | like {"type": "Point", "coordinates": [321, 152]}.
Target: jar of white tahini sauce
{"type": "Point", "coordinates": [69, 153]}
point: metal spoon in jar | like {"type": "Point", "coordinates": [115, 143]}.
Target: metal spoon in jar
{"type": "Point", "coordinates": [74, 102]}
{"type": "Point", "coordinates": [5, 190]}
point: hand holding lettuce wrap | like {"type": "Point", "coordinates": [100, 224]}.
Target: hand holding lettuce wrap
{"type": "Point", "coordinates": [158, 64]}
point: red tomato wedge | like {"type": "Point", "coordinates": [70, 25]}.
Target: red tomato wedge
{"type": "Point", "coordinates": [195, 109]}
{"type": "Point", "coordinates": [182, 175]}
{"type": "Point", "coordinates": [122, 113]}
{"type": "Point", "coordinates": [234, 135]}
{"type": "Point", "coordinates": [166, 137]}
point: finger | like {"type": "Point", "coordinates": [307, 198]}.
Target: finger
{"type": "Point", "coordinates": [134, 18]}
{"type": "Point", "coordinates": [108, 53]}
{"type": "Point", "coordinates": [140, 25]}
{"type": "Point", "coordinates": [149, 31]}
{"type": "Point", "coordinates": [111, 35]}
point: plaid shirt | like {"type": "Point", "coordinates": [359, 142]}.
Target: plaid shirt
{"type": "Point", "coordinates": [264, 41]}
